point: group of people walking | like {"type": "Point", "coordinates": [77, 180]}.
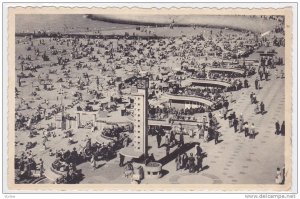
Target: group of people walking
{"type": "Point", "coordinates": [193, 163]}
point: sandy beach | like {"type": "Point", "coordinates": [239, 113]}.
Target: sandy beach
{"type": "Point", "coordinates": [64, 77]}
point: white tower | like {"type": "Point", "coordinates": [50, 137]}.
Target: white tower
{"type": "Point", "coordinates": [141, 117]}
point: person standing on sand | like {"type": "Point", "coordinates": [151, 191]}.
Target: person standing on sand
{"type": "Point", "coordinates": [246, 129]}
{"type": "Point", "coordinates": [240, 126]}
{"type": "Point", "coordinates": [235, 124]}
{"type": "Point", "coordinates": [201, 131]}
{"type": "Point", "coordinates": [241, 122]}
{"type": "Point", "coordinates": [224, 113]}
{"type": "Point", "coordinates": [246, 83]}
{"type": "Point", "coordinates": [262, 108]}
{"type": "Point", "coordinates": [282, 130]}
{"type": "Point", "coordinates": [256, 83]}
{"type": "Point", "coordinates": [20, 82]}
{"type": "Point", "coordinates": [158, 138]}
{"type": "Point", "coordinates": [217, 137]}
{"type": "Point", "coordinates": [184, 160]}
{"type": "Point", "coordinates": [167, 150]}
{"type": "Point", "coordinates": [122, 157]}
{"type": "Point", "coordinates": [277, 128]}
{"type": "Point", "coordinates": [167, 140]}
{"type": "Point", "coordinates": [252, 131]}
{"type": "Point", "coordinates": [266, 74]}
{"type": "Point", "coordinates": [44, 142]}
{"type": "Point", "coordinates": [93, 162]}
{"type": "Point", "coordinates": [199, 162]}
{"type": "Point", "coordinates": [230, 120]}
{"type": "Point", "coordinates": [181, 139]}
{"type": "Point", "coordinates": [205, 136]}
{"type": "Point", "coordinates": [178, 162]}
